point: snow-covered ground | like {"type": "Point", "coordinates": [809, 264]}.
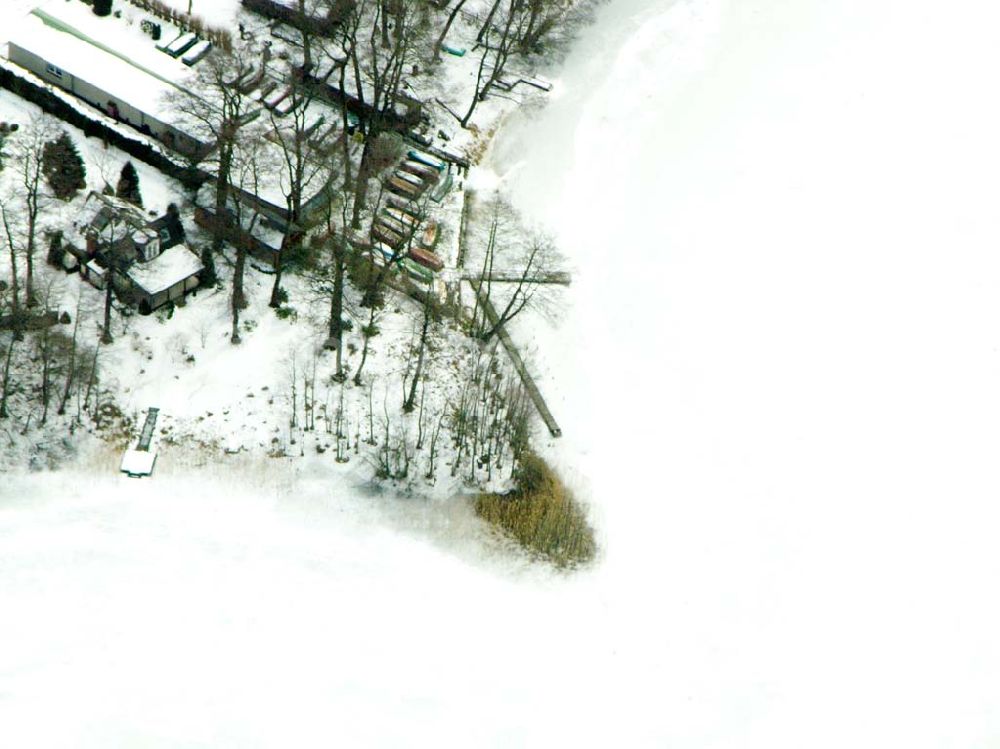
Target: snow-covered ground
{"type": "Point", "coordinates": [777, 383]}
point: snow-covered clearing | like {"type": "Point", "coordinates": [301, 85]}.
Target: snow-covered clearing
{"type": "Point", "coordinates": [778, 387]}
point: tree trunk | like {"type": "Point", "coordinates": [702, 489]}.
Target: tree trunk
{"type": "Point", "coordinates": [475, 98]}
{"type": "Point", "coordinates": [275, 301]}
{"type": "Point", "coordinates": [364, 348]}
{"type": "Point", "coordinates": [447, 28]}
{"type": "Point", "coordinates": [46, 351]}
{"type": "Point", "coordinates": [337, 305]}
{"type": "Point", "coordinates": [15, 291]}
{"type": "Point", "coordinates": [5, 386]}
{"type": "Point", "coordinates": [484, 29]}
{"type": "Point", "coordinates": [29, 258]}
{"type": "Point", "coordinates": [410, 402]}
{"type": "Point", "coordinates": [222, 195]}
{"type": "Point", "coordinates": [238, 300]}
{"type": "Point", "coordinates": [361, 186]}
{"type": "Point", "coordinates": [106, 336]}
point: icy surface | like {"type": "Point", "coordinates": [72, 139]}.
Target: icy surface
{"type": "Point", "coordinates": [783, 219]}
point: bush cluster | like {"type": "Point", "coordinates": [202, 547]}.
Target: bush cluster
{"type": "Point", "coordinates": [542, 515]}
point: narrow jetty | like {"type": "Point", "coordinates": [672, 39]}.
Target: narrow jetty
{"type": "Point", "coordinates": [529, 382]}
{"type": "Point", "coordinates": [139, 460]}
{"type": "Point", "coordinates": [560, 277]}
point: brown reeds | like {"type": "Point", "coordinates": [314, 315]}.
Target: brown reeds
{"type": "Point", "coordinates": [542, 515]}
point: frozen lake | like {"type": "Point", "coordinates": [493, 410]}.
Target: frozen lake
{"type": "Point", "coordinates": [778, 381]}
{"type": "Point", "coordinates": [784, 358]}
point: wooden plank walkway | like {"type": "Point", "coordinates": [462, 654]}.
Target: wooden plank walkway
{"type": "Point", "coordinates": [147, 430]}
{"type": "Point", "coordinates": [529, 383]}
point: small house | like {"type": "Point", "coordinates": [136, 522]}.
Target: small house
{"type": "Point", "coordinates": [147, 262]}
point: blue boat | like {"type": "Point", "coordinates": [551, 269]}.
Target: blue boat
{"type": "Point", "coordinates": [423, 158]}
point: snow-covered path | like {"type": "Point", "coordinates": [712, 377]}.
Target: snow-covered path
{"type": "Point", "coordinates": [778, 383]}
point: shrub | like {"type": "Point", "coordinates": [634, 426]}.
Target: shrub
{"type": "Point", "coordinates": [541, 514]}
{"type": "Point", "coordinates": [63, 167]}
{"type": "Point", "coordinates": [102, 7]}
{"type": "Point", "coordinates": [128, 185]}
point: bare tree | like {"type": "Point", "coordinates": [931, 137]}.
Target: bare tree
{"type": "Point", "coordinates": [447, 27]}
{"type": "Point", "coordinates": [72, 367]}
{"type": "Point", "coordinates": [378, 64]}
{"type": "Point", "coordinates": [541, 18]}
{"type": "Point", "coordinates": [497, 48]}
{"type": "Point", "coordinates": [27, 152]}
{"type": "Point", "coordinates": [216, 107]}
{"type": "Point", "coordinates": [305, 163]}
{"type": "Point", "coordinates": [249, 164]}
{"type": "Point", "coordinates": [5, 384]}
{"type": "Point", "coordinates": [13, 251]}
{"type": "Point", "coordinates": [430, 314]}
{"type": "Point", "coordinates": [373, 289]}
{"type": "Point", "coordinates": [526, 258]}
{"type": "Point", "coordinates": [118, 230]}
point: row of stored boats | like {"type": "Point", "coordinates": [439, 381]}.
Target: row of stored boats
{"type": "Point", "coordinates": [401, 234]}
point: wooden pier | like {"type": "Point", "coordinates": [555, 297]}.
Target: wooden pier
{"type": "Point", "coordinates": [139, 460]}
{"type": "Point", "coordinates": [529, 382]}
{"type": "Point", "coordinates": [554, 277]}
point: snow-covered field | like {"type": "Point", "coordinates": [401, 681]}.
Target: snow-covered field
{"type": "Point", "coordinates": [778, 386]}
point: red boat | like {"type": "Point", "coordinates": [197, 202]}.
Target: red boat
{"type": "Point", "coordinates": [426, 258]}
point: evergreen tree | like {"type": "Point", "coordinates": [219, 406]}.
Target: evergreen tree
{"type": "Point", "coordinates": [102, 7]}
{"type": "Point", "coordinates": [128, 185]}
{"type": "Point", "coordinates": [63, 167]}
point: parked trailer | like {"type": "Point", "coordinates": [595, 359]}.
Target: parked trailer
{"type": "Point", "coordinates": [387, 253]}
{"type": "Point", "coordinates": [277, 97]}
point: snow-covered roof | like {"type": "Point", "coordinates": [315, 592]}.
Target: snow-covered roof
{"type": "Point", "coordinates": [168, 268]}
{"type": "Point", "coordinates": [103, 51]}
{"type": "Point", "coordinates": [138, 462]}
